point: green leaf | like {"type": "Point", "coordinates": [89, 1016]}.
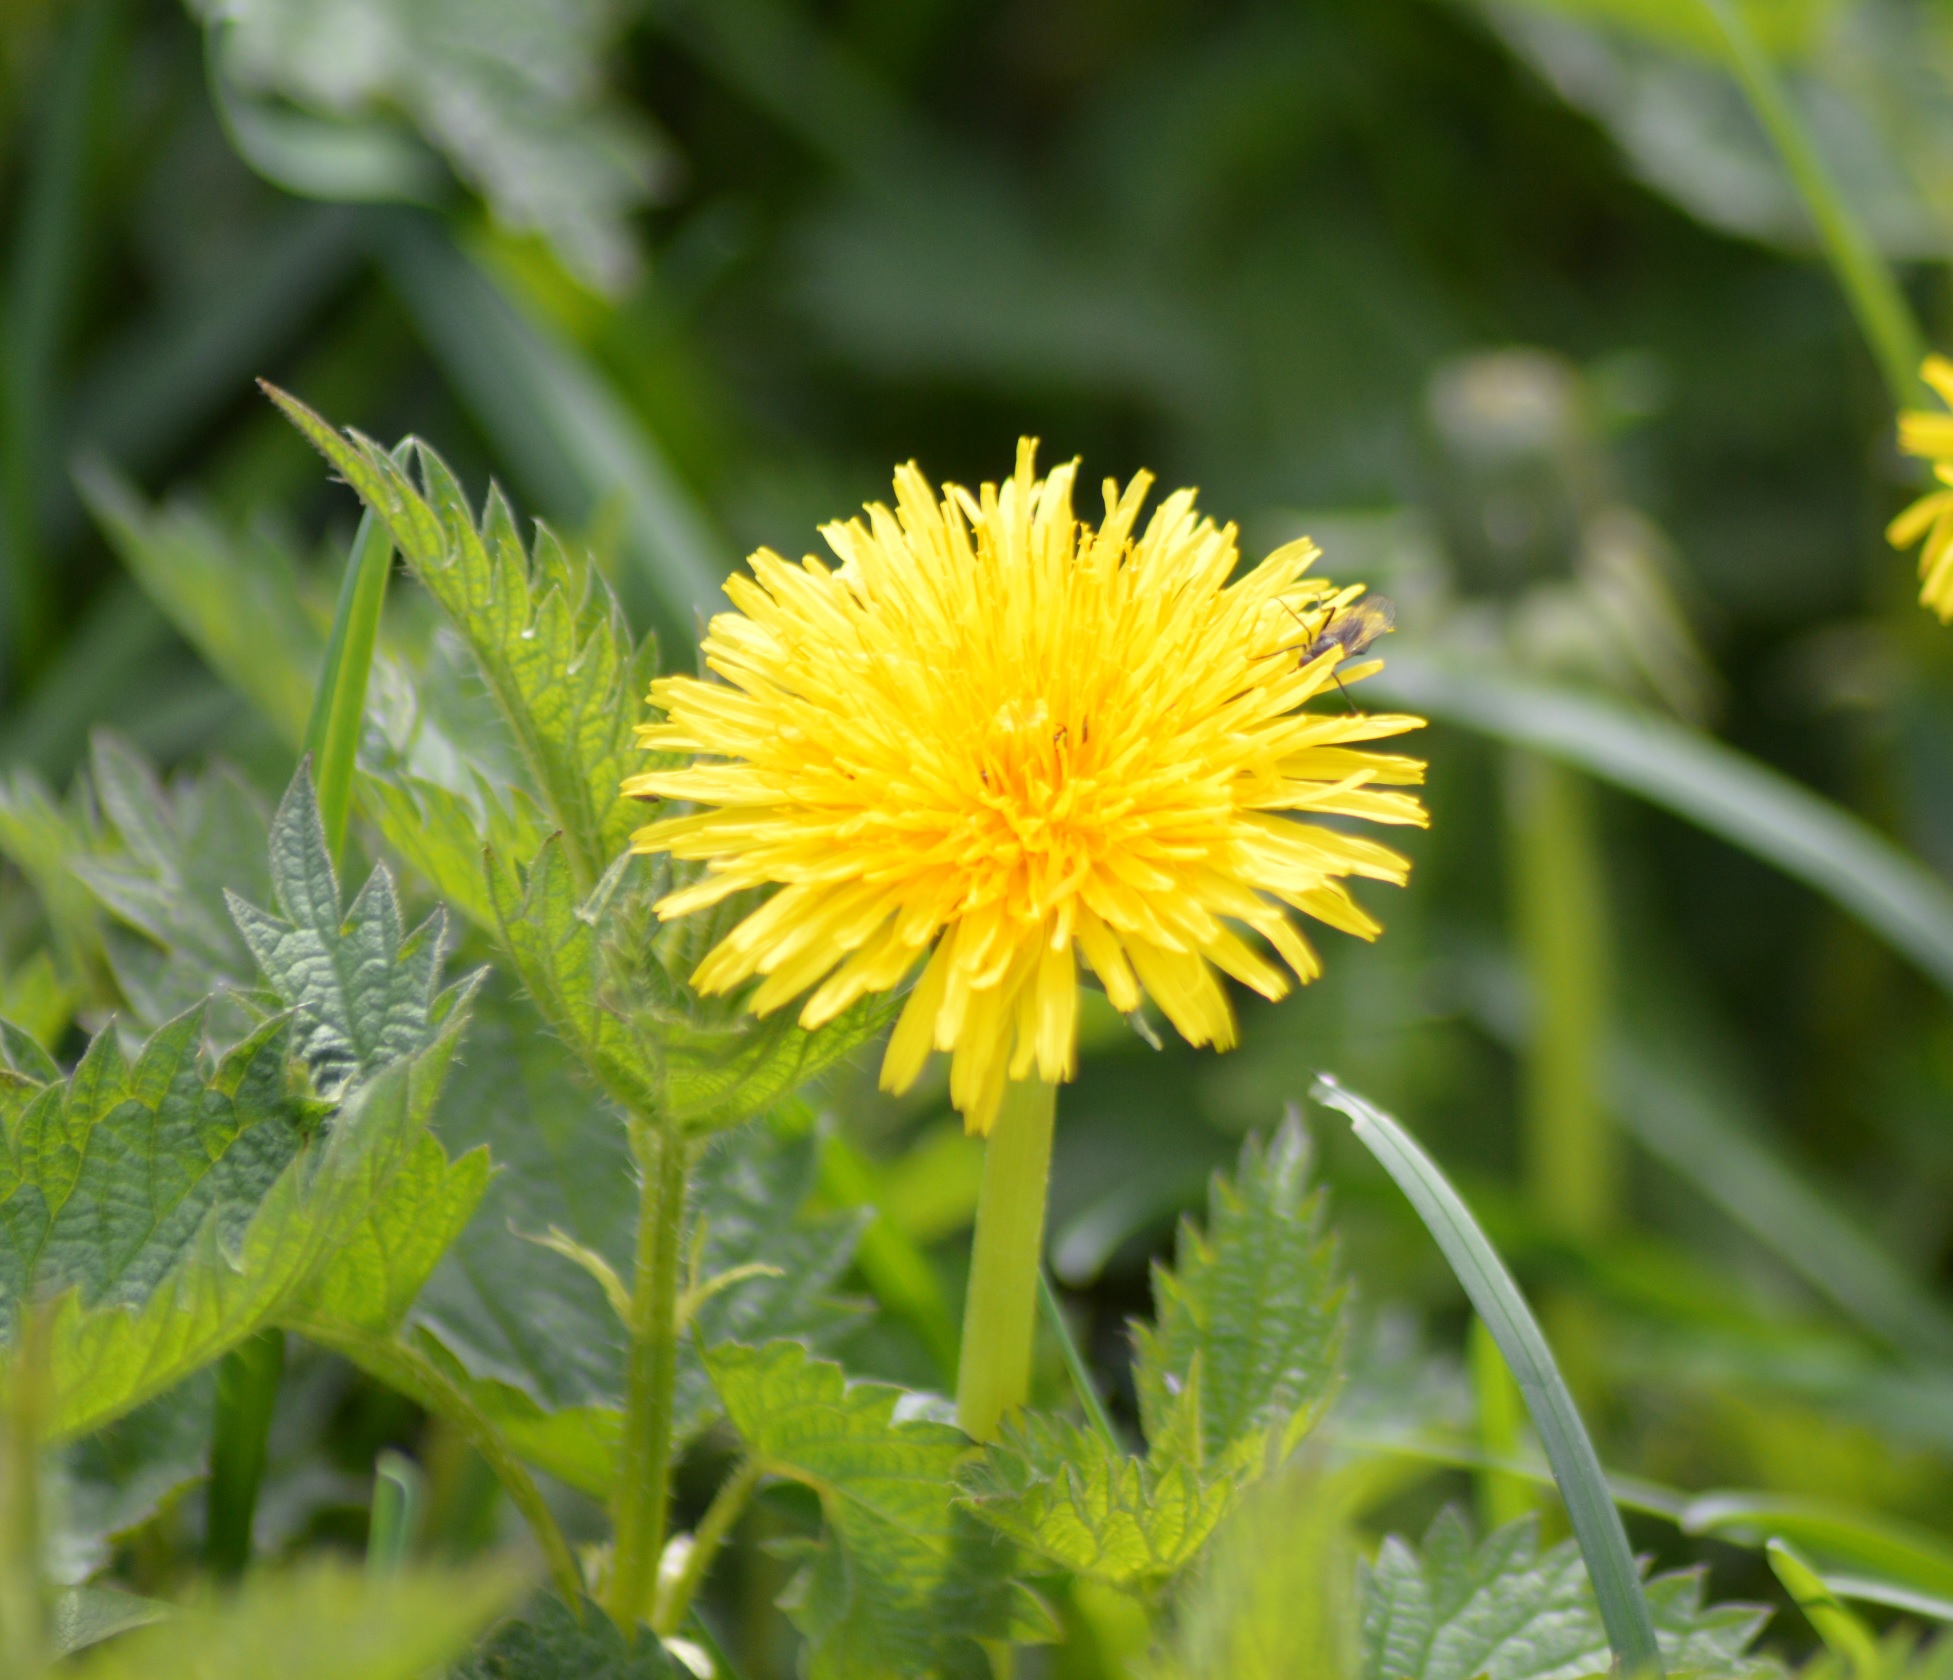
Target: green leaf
{"type": "Point", "coordinates": [237, 602]}
{"type": "Point", "coordinates": [547, 1642]}
{"type": "Point", "coordinates": [543, 627]}
{"type": "Point", "coordinates": [182, 1210]}
{"type": "Point", "coordinates": [1453, 1609]}
{"type": "Point", "coordinates": [109, 1483]}
{"type": "Point", "coordinates": [109, 1179]}
{"type": "Point", "coordinates": [327, 1623]}
{"type": "Point", "coordinates": [42, 841]}
{"type": "Point", "coordinates": [162, 867]}
{"type": "Point", "coordinates": [750, 1201]}
{"type": "Point", "coordinates": [904, 1582]}
{"type": "Point", "coordinates": [1256, 1302]}
{"type": "Point", "coordinates": [362, 994]}
{"type": "Point", "coordinates": [1576, 1469]}
{"type": "Point", "coordinates": [1725, 792]}
{"type": "Point", "coordinates": [1066, 1494]}
{"type": "Point", "coordinates": [608, 978]}
{"type": "Point", "coordinates": [440, 834]}
{"type": "Point", "coordinates": [84, 1616]}
{"type": "Point", "coordinates": [376, 1274]}
{"type": "Point", "coordinates": [542, 140]}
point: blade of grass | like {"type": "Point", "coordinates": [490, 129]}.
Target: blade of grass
{"type": "Point", "coordinates": [247, 1392]}
{"type": "Point", "coordinates": [339, 704]}
{"type": "Point", "coordinates": [1833, 1537]}
{"type": "Point", "coordinates": [1846, 1637]}
{"type": "Point", "coordinates": [1713, 786]}
{"type": "Point", "coordinates": [398, 1493]}
{"type": "Point", "coordinates": [1884, 316]}
{"type": "Point", "coordinates": [1081, 1373]}
{"type": "Point", "coordinates": [1576, 1468]}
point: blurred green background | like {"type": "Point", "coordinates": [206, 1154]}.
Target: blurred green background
{"type": "Point", "coordinates": [1510, 305]}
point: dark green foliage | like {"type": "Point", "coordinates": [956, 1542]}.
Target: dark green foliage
{"type": "Point", "coordinates": [547, 1642]}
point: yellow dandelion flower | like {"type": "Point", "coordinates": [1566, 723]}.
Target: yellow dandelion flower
{"type": "Point", "coordinates": [1930, 436]}
{"type": "Point", "coordinates": [996, 741]}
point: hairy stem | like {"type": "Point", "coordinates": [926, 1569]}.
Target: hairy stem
{"type": "Point", "coordinates": [1000, 1312]}
{"type": "Point", "coordinates": [644, 1463]}
{"type": "Point", "coordinates": [23, 1426]}
{"type": "Point", "coordinates": [727, 1506]}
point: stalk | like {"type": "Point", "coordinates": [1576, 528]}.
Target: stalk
{"type": "Point", "coordinates": [644, 1464]}
{"type": "Point", "coordinates": [1559, 894]}
{"type": "Point", "coordinates": [1883, 314]}
{"type": "Point", "coordinates": [1000, 1312]}
{"type": "Point", "coordinates": [727, 1506]}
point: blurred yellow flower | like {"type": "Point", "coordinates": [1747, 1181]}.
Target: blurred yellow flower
{"type": "Point", "coordinates": [1000, 733]}
{"type": "Point", "coordinates": [1930, 436]}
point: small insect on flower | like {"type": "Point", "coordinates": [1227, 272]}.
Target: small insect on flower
{"type": "Point", "coordinates": [997, 741]}
{"type": "Point", "coordinates": [1354, 628]}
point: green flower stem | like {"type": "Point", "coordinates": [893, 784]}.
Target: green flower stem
{"type": "Point", "coordinates": [644, 1463]}
{"type": "Point", "coordinates": [727, 1506]}
{"type": "Point", "coordinates": [247, 1393]}
{"type": "Point", "coordinates": [1000, 1312]}
{"type": "Point", "coordinates": [1884, 316]}
{"type": "Point", "coordinates": [1559, 892]}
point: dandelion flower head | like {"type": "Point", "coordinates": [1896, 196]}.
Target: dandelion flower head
{"type": "Point", "coordinates": [995, 743]}
{"type": "Point", "coordinates": [1929, 435]}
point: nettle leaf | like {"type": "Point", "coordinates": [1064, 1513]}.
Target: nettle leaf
{"type": "Point", "coordinates": [1454, 1609]}
{"type": "Point", "coordinates": [600, 972]}
{"type": "Point", "coordinates": [169, 1209]}
{"type": "Point", "coordinates": [547, 1642]}
{"type": "Point", "coordinates": [110, 1178]}
{"type": "Point", "coordinates": [166, 860]}
{"type": "Point", "coordinates": [1256, 1302]}
{"type": "Point", "coordinates": [1065, 1493]}
{"type": "Point", "coordinates": [904, 1582]}
{"type": "Point", "coordinates": [544, 628]}
{"type": "Point", "coordinates": [362, 994]}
